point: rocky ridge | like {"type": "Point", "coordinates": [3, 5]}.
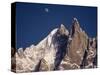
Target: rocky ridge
{"type": "Point", "coordinates": [60, 50]}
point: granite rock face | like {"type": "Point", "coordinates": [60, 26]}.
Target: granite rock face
{"type": "Point", "coordinates": [62, 49]}
{"type": "Point", "coordinates": [77, 45]}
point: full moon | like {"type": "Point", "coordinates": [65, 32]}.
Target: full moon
{"type": "Point", "coordinates": [46, 10]}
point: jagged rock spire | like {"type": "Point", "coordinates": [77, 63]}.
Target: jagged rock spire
{"type": "Point", "coordinates": [75, 26]}
{"type": "Point", "coordinates": [75, 20]}
{"type": "Point", "coordinates": [76, 47]}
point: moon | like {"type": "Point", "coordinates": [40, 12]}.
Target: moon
{"type": "Point", "coordinates": [46, 10]}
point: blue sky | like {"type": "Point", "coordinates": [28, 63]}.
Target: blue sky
{"type": "Point", "coordinates": [35, 21]}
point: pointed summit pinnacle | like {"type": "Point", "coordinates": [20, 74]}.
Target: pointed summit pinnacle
{"type": "Point", "coordinates": [62, 26]}
{"type": "Point", "coordinates": [62, 30]}
{"type": "Point", "coordinates": [75, 21]}
{"type": "Point", "coordinates": [75, 26]}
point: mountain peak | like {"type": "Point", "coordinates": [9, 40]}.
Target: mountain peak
{"type": "Point", "coordinates": [58, 51]}
{"type": "Point", "coordinates": [62, 30]}
{"type": "Point", "coordinates": [75, 26]}
{"type": "Point", "coordinates": [75, 22]}
{"type": "Point", "coordinates": [75, 19]}
{"type": "Point", "coordinates": [62, 26]}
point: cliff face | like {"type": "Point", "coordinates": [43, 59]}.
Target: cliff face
{"type": "Point", "coordinates": [78, 43]}
{"type": "Point", "coordinates": [60, 50]}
